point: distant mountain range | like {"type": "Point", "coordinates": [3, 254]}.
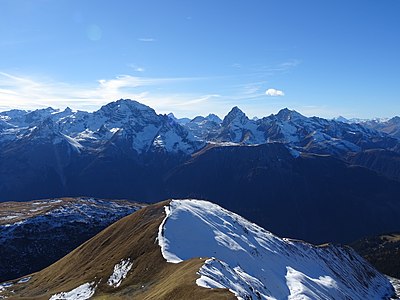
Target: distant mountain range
{"type": "Point", "coordinates": [389, 126]}
{"type": "Point", "coordinates": [191, 249]}
{"type": "Point", "coordinates": [311, 178]}
{"type": "Point", "coordinates": [142, 130]}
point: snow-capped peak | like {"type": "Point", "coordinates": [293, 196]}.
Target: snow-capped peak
{"type": "Point", "coordinates": [287, 114]}
{"type": "Point", "coordinates": [255, 264]}
{"type": "Point", "coordinates": [126, 106]}
{"type": "Point", "coordinates": [341, 119]}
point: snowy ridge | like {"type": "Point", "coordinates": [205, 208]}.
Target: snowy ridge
{"type": "Point", "coordinates": [255, 264]}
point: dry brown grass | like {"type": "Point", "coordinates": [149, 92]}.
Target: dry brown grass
{"type": "Point", "coordinates": [151, 277]}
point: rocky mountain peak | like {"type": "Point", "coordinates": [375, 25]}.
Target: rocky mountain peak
{"type": "Point", "coordinates": [287, 114]}
{"type": "Point", "coordinates": [235, 115]}
{"type": "Point", "coordinates": [214, 118]}
{"type": "Point", "coordinates": [68, 110]}
{"type": "Point", "coordinates": [395, 120]}
{"type": "Point", "coordinates": [126, 106]}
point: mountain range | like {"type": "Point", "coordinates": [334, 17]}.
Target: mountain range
{"type": "Point", "coordinates": [191, 249]}
{"type": "Point", "coordinates": [301, 177]}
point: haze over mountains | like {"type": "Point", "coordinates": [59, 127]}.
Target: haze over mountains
{"type": "Point", "coordinates": [299, 175]}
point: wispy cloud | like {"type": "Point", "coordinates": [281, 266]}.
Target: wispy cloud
{"type": "Point", "coordinates": [185, 96]}
{"type": "Point", "coordinates": [288, 65]}
{"type": "Point", "coordinates": [147, 39]}
{"type": "Point", "coordinates": [267, 70]}
{"type": "Point", "coordinates": [274, 93]}
{"type": "Point", "coordinates": [137, 68]}
{"type": "Point", "coordinates": [25, 92]}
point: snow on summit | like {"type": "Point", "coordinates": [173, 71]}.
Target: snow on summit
{"type": "Point", "coordinates": [255, 264]}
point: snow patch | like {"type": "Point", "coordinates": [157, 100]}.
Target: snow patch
{"type": "Point", "coordinates": [114, 130]}
{"type": "Point", "coordinates": [396, 285]}
{"type": "Point", "coordinates": [82, 292]}
{"type": "Point", "coordinates": [120, 272]}
{"type": "Point", "coordinates": [5, 285]}
{"type": "Point", "coordinates": [14, 224]}
{"type": "Point", "coordinates": [8, 218]}
{"type": "Point", "coordinates": [24, 280]}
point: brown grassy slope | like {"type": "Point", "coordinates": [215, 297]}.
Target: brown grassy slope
{"type": "Point", "coordinates": [151, 277]}
{"type": "Point", "coordinates": [23, 210]}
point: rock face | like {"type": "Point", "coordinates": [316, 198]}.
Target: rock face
{"type": "Point", "coordinates": [230, 253]}
{"type": "Point", "coordinates": [37, 233]}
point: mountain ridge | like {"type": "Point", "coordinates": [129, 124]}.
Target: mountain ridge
{"type": "Point", "coordinates": [128, 259]}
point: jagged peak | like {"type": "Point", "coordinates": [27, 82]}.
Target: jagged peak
{"type": "Point", "coordinates": [68, 110]}
{"type": "Point", "coordinates": [236, 110]}
{"type": "Point", "coordinates": [172, 116]}
{"type": "Point", "coordinates": [214, 118]}
{"type": "Point", "coordinates": [43, 110]}
{"type": "Point", "coordinates": [235, 114]}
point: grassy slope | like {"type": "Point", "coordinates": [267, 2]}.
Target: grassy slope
{"type": "Point", "coordinates": [151, 277]}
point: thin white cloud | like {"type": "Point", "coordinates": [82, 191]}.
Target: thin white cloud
{"type": "Point", "coordinates": [137, 68]}
{"type": "Point", "coordinates": [25, 92]}
{"type": "Point", "coordinates": [288, 65]}
{"type": "Point", "coordinates": [147, 40]}
{"type": "Point", "coordinates": [274, 93]}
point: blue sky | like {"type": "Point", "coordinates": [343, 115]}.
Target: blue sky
{"type": "Point", "coordinates": [324, 58]}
